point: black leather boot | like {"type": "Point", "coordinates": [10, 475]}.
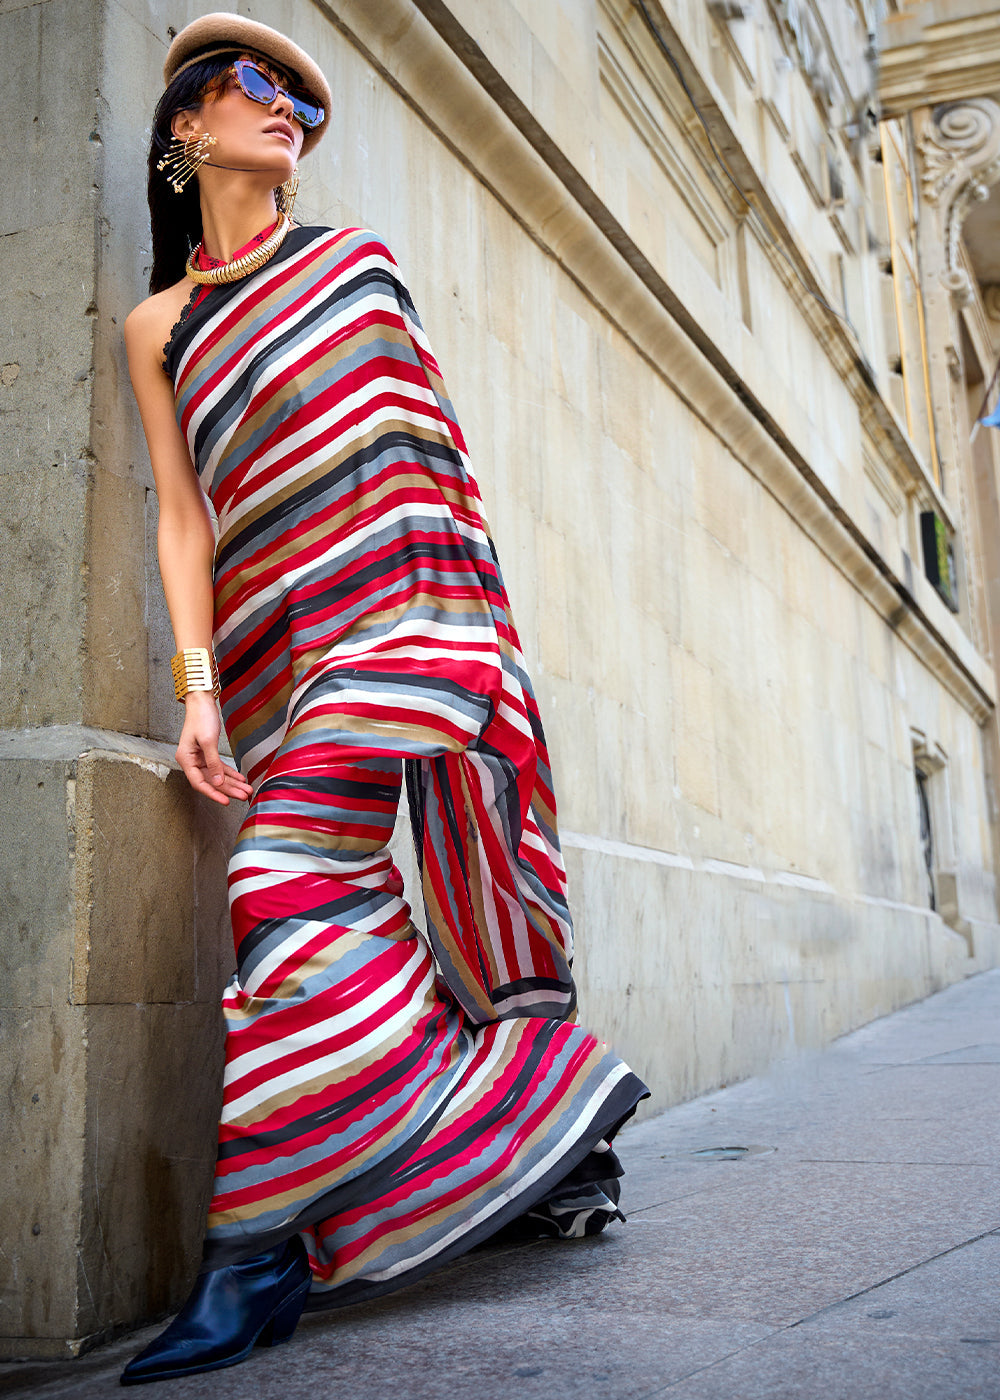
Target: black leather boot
{"type": "Point", "coordinates": [255, 1302]}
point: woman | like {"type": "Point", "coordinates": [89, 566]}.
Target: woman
{"type": "Point", "coordinates": [390, 1099]}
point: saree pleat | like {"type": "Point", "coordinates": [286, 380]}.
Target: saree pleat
{"type": "Point", "coordinates": [395, 1096]}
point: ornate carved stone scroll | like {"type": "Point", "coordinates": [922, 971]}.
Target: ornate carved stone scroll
{"type": "Point", "coordinates": [960, 148]}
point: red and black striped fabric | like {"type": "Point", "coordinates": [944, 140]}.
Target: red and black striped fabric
{"type": "Point", "coordinates": [395, 1097]}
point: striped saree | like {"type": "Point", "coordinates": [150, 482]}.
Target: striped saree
{"type": "Point", "coordinates": [394, 1097]}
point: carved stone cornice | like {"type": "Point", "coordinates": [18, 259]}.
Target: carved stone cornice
{"type": "Point", "coordinates": [936, 52]}
{"type": "Point", "coordinates": [959, 144]}
{"type": "Point", "coordinates": [452, 85]}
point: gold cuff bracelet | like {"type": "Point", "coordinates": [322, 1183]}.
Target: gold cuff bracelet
{"type": "Point", "coordinates": [194, 669]}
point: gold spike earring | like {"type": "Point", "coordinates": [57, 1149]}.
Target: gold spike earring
{"type": "Point", "coordinates": [285, 198]}
{"type": "Point", "coordinates": [184, 157]}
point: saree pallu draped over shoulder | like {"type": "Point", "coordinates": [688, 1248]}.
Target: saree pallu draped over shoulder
{"type": "Point", "coordinates": [393, 1097]}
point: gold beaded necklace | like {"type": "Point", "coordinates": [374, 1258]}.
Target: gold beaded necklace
{"type": "Point", "coordinates": [241, 266]}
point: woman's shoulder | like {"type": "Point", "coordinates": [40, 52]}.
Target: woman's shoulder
{"type": "Point", "coordinates": [149, 324]}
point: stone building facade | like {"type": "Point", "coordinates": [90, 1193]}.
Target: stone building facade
{"type": "Point", "coordinates": [715, 294]}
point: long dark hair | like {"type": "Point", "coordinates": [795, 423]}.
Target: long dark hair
{"type": "Point", "coordinates": [175, 219]}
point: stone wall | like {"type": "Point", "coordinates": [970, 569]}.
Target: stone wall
{"type": "Point", "coordinates": [115, 940]}
{"type": "Point", "coordinates": [703, 507]}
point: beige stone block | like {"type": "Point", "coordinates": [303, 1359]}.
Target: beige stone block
{"type": "Point", "coordinates": [767, 659]}
{"type": "Point", "coordinates": [574, 338]}
{"type": "Point", "coordinates": [568, 713]}
{"type": "Point", "coordinates": [42, 593]}
{"type": "Point", "coordinates": [555, 102]}
{"type": "Point", "coordinates": [589, 611]}
{"type": "Point", "coordinates": [111, 1147]}
{"type": "Point", "coordinates": [115, 675]}
{"type": "Point", "coordinates": [656, 584]}
{"type": "Point", "coordinates": [42, 1083]}
{"type": "Point", "coordinates": [699, 977]}
{"type": "Point", "coordinates": [880, 652]}
{"type": "Point", "coordinates": [41, 119]}
{"type": "Point", "coordinates": [722, 489]}
{"type": "Point", "coordinates": [136, 948]}
{"type": "Point", "coordinates": [695, 691]}
{"type": "Point", "coordinates": [697, 609]}
{"type": "Point", "coordinates": [566, 458]}
{"type": "Point", "coordinates": [647, 780]}
{"type": "Point", "coordinates": [653, 692]}
{"type": "Point", "coordinates": [803, 573]}
{"type": "Point", "coordinates": [740, 739]}
{"type": "Point", "coordinates": [553, 589]}
{"type": "Point", "coordinates": [154, 1078]}
{"type": "Point", "coordinates": [625, 412]}
{"type": "Point", "coordinates": [713, 624]}
{"type": "Point", "coordinates": [169, 939]}
{"type": "Point", "coordinates": [541, 24]}
{"type": "Point", "coordinates": [696, 772]}
{"type": "Point", "coordinates": [501, 30]}
{"type": "Point", "coordinates": [727, 642]}
{"type": "Point", "coordinates": [770, 537]}
{"type": "Point", "coordinates": [874, 710]}
{"type": "Point", "coordinates": [605, 764]}
{"type": "Point", "coordinates": [500, 366]}
{"type": "Point", "coordinates": [36, 882]}
{"type": "Point", "coordinates": [115, 948]}
{"type": "Point", "coordinates": [648, 221]}
{"type": "Point", "coordinates": [505, 297]}
{"type": "Point", "coordinates": [113, 875]}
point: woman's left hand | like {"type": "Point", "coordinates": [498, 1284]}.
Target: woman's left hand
{"type": "Point", "coordinates": [198, 752]}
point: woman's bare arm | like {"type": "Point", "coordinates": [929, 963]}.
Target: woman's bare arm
{"type": "Point", "coordinates": [186, 542]}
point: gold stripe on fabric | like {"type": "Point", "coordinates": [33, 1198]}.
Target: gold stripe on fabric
{"type": "Point", "coordinates": [306, 372]}
{"type": "Point", "coordinates": [325, 1078]}
{"type": "Point", "coordinates": [542, 809]}
{"type": "Point", "coordinates": [473, 866]}
{"type": "Point", "coordinates": [377, 728]}
{"type": "Point", "coordinates": [310, 836]}
{"type": "Point", "coordinates": [276, 704]}
{"type": "Point", "coordinates": [221, 348]}
{"type": "Point", "coordinates": [331, 524]}
{"type": "Point", "coordinates": [386, 618]}
{"type": "Point", "coordinates": [475, 994]}
{"type": "Point", "coordinates": [545, 925]}
{"type": "Point", "coordinates": [344, 944]}
{"type": "Point", "coordinates": [466, 1207]}
{"type": "Point", "coordinates": [509, 1052]}
{"type": "Point", "coordinates": [319, 1184]}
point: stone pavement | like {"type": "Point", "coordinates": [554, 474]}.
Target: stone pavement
{"type": "Point", "coordinates": [850, 1250]}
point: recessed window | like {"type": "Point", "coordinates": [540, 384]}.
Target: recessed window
{"type": "Point", "coordinates": [926, 833]}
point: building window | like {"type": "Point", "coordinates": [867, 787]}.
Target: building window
{"type": "Point", "coordinates": [939, 866]}
{"type": "Point", "coordinates": [926, 833]}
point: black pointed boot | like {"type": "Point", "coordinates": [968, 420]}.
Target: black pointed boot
{"type": "Point", "coordinates": [254, 1302]}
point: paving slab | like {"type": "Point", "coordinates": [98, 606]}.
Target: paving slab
{"type": "Point", "coordinates": [851, 1251]}
{"type": "Point", "coordinates": [954, 1297]}
{"type": "Point", "coordinates": [791, 1367]}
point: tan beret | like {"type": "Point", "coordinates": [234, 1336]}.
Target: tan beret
{"type": "Point", "coordinates": [223, 32]}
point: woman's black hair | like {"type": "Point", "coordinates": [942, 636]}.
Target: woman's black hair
{"type": "Point", "coordinates": [175, 219]}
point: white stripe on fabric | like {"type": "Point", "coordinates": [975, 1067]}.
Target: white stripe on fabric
{"type": "Point", "coordinates": [441, 1242]}
{"type": "Point", "coordinates": [322, 1066]}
